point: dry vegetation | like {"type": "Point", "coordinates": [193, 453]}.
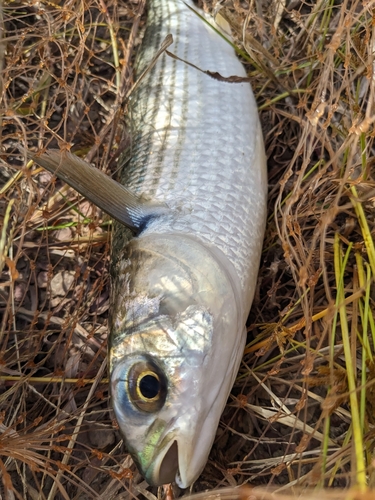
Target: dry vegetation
{"type": "Point", "coordinates": [302, 409]}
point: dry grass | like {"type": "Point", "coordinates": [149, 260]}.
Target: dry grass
{"type": "Point", "coordinates": [302, 410]}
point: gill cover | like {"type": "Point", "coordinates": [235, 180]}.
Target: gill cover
{"type": "Point", "coordinates": [175, 348]}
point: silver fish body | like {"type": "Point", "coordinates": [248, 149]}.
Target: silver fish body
{"type": "Point", "coordinates": [183, 288]}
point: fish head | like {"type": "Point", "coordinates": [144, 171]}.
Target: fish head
{"type": "Point", "coordinates": [175, 347]}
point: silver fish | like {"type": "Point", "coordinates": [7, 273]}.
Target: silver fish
{"type": "Point", "coordinates": [182, 289]}
{"type": "Point", "coordinates": [181, 297]}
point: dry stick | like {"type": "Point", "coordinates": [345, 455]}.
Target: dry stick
{"type": "Point", "coordinates": [119, 77]}
{"type": "Point", "coordinates": [50, 380]}
{"type": "Point", "coordinates": [268, 63]}
{"type": "Point", "coordinates": [301, 323]}
{"type": "Point", "coordinates": [130, 47]}
{"type": "Point", "coordinates": [11, 298]}
{"type": "Point", "coordinates": [113, 41]}
{"type": "Point", "coordinates": [67, 244]}
{"type": "Point", "coordinates": [124, 82]}
{"type": "Point", "coordinates": [320, 93]}
{"type": "Point", "coordinates": [213, 74]}
{"type": "Point", "coordinates": [2, 54]}
{"type": "Point", "coordinates": [167, 42]}
{"type": "Point", "coordinates": [284, 416]}
{"type": "Point", "coordinates": [3, 235]}
{"type": "Point", "coordinates": [73, 439]}
{"type": "Point", "coordinates": [115, 484]}
{"type": "Point", "coordinates": [78, 329]}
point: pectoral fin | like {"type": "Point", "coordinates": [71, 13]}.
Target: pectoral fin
{"type": "Point", "coordinates": [113, 198]}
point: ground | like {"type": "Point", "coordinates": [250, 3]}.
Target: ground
{"type": "Point", "coordinates": [301, 412]}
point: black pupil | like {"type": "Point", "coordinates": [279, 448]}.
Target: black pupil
{"type": "Point", "coordinates": [149, 386]}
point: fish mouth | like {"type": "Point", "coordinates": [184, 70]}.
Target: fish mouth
{"type": "Point", "coordinates": [181, 456]}
{"type": "Point", "coordinates": [165, 469]}
{"type": "Point", "coordinates": [173, 464]}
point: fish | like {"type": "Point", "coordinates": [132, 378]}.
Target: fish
{"type": "Point", "coordinates": [194, 192]}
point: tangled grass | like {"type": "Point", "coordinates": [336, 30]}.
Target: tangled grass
{"type": "Point", "coordinates": [301, 414]}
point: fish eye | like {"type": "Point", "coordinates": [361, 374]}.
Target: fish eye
{"type": "Point", "coordinates": [147, 386]}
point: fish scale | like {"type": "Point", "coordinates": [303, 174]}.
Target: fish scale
{"type": "Point", "coordinates": [197, 141]}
